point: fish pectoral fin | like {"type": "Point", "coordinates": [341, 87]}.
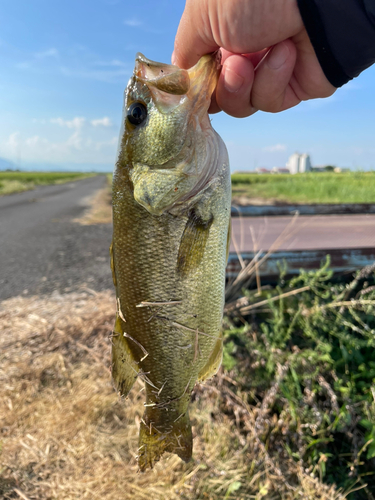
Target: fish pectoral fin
{"type": "Point", "coordinates": [214, 361]}
{"type": "Point", "coordinates": [153, 442]}
{"type": "Point", "coordinates": [112, 264]}
{"type": "Point", "coordinates": [124, 367]}
{"type": "Point", "coordinates": [193, 243]}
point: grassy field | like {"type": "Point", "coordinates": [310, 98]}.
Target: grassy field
{"type": "Point", "coordinates": [289, 416]}
{"type": "Point", "coordinates": [325, 187]}
{"type": "Point", "coordinates": [14, 182]}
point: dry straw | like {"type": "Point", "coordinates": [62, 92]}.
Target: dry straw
{"type": "Point", "coordinates": [66, 435]}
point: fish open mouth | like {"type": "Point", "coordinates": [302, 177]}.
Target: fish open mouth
{"type": "Point", "coordinates": [200, 79]}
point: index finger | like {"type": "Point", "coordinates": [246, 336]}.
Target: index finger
{"type": "Point", "coordinates": [194, 36]}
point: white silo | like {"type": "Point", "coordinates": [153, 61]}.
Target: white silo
{"type": "Point", "coordinates": [293, 163]}
{"type": "Point", "coordinates": [304, 163]}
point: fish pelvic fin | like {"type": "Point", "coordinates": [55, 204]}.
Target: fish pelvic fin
{"type": "Point", "coordinates": [153, 442]}
{"type": "Point", "coordinates": [124, 367]}
{"type": "Point", "coordinates": [214, 361]}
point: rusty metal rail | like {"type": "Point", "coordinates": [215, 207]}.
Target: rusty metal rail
{"type": "Point", "coordinates": [313, 209]}
{"type": "Point", "coordinates": [342, 260]}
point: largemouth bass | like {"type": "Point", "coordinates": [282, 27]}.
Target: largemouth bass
{"type": "Point", "coordinates": [171, 218]}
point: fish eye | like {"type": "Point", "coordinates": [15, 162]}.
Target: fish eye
{"type": "Point", "coordinates": [137, 113]}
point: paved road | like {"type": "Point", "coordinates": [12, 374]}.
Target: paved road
{"type": "Point", "coordinates": [42, 249]}
{"type": "Point", "coordinates": [307, 233]}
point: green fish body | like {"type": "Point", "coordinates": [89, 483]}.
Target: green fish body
{"type": "Point", "coordinates": [171, 224]}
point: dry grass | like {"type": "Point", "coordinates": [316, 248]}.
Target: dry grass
{"type": "Point", "coordinates": [100, 207]}
{"type": "Point", "coordinates": [66, 435]}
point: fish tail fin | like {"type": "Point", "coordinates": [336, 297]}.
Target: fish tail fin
{"type": "Point", "coordinates": [153, 442]}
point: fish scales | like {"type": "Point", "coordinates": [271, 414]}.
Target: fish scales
{"type": "Point", "coordinates": [169, 250]}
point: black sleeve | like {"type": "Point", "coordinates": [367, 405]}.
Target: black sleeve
{"type": "Point", "coordinates": [342, 33]}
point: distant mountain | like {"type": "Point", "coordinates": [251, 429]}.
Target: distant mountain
{"type": "Point", "coordinates": [5, 164]}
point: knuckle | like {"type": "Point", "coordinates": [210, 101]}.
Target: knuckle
{"type": "Point", "coordinates": [270, 104]}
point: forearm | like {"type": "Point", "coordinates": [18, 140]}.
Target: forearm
{"type": "Point", "coordinates": [342, 33]}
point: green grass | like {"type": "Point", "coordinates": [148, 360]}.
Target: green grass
{"type": "Point", "coordinates": [325, 187]}
{"type": "Point", "coordinates": [14, 182]}
{"type": "Point", "coordinates": [309, 359]}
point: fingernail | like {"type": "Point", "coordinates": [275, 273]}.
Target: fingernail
{"type": "Point", "coordinates": [232, 81]}
{"type": "Point", "coordinates": [173, 58]}
{"type": "Point", "coordinates": [278, 56]}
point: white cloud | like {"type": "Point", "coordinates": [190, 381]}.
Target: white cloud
{"type": "Point", "coordinates": [114, 74]}
{"type": "Point", "coordinates": [13, 140]}
{"type": "Point", "coordinates": [115, 62]}
{"type": "Point", "coordinates": [77, 62]}
{"type": "Point", "coordinates": [76, 123]}
{"type": "Point", "coordinates": [23, 65]}
{"type": "Point", "coordinates": [102, 122]}
{"type": "Point", "coordinates": [46, 53]}
{"type": "Point", "coordinates": [74, 146]}
{"type": "Point", "coordinates": [105, 144]}
{"type": "Point", "coordinates": [133, 22]}
{"type": "Point", "coordinates": [34, 141]}
{"type": "Point", "coordinates": [275, 148]}
{"type": "Point", "coordinates": [75, 140]}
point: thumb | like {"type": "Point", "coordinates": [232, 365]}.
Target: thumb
{"type": "Point", "coordinates": [194, 36]}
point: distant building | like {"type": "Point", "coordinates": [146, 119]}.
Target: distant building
{"type": "Point", "coordinates": [330, 168]}
{"type": "Point", "coordinates": [299, 163]}
{"type": "Point", "coordinates": [262, 170]}
{"type": "Point", "coordinates": [304, 163]}
{"type": "Point", "coordinates": [280, 170]}
{"type": "Point", "coordinates": [320, 168]}
{"type": "Point", "coordinates": [339, 170]}
{"type": "Point", "coordinates": [293, 163]}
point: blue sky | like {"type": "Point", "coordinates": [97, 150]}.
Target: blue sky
{"type": "Point", "coordinates": [64, 66]}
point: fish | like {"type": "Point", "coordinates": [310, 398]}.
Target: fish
{"type": "Point", "coordinates": [171, 229]}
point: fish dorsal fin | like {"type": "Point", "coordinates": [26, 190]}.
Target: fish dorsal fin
{"type": "Point", "coordinates": [193, 242]}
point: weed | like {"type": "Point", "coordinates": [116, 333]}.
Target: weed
{"type": "Point", "coordinates": [324, 403]}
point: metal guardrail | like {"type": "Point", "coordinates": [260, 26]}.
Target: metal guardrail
{"type": "Point", "coordinates": [316, 209]}
{"type": "Point", "coordinates": [342, 260]}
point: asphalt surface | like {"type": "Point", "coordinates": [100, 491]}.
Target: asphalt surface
{"type": "Point", "coordinates": [42, 250]}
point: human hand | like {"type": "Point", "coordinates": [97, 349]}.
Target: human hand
{"type": "Point", "coordinates": [268, 61]}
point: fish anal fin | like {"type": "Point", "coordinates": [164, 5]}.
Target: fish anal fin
{"type": "Point", "coordinates": [214, 361]}
{"type": "Point", "coordinates": [112, 264]}
{"type": "Point", "coordinates": [153, 442]}
{"type": "Point", "coordinates": [193, 243]}
{"type": "Point", "coordinates": [124, 368]}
